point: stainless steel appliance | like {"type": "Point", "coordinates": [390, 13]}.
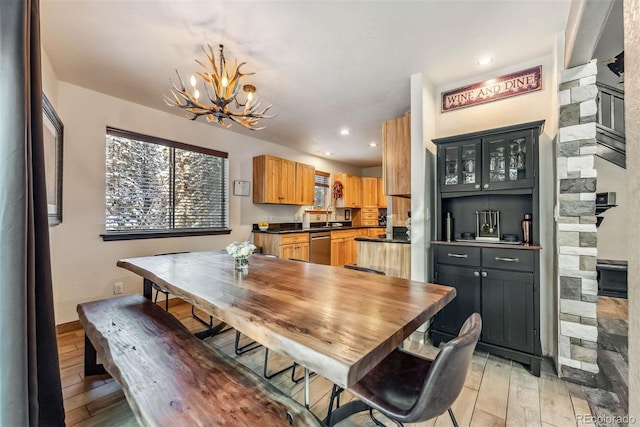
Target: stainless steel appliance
{"type": "Point", "coordinates": [320, 248]}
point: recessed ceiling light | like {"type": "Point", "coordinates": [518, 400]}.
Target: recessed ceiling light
{"type": "Point", "coordinates": [486, 60]}
{"type": "Point", "coordinates": [328, 153]}
{"type": "Point", "coordinates": [373, 144]}
{"type": "Point", "coordinates": [345, 132]}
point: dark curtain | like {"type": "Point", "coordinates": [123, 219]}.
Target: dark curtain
{"type": "Point", "coordinates": [30, 391]}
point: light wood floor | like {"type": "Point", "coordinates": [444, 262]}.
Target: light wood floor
{"type": "Point", "coordinates": [497, 392]}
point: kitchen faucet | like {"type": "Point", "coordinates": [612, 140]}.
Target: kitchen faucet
{"type": "Point", "coordinates": [327, 209]}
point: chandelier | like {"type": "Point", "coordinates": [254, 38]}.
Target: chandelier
{"type": "Point", "coordinates": [221, 88]}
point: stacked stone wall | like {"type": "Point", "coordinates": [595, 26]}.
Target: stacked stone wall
{"type": "Point", "coordinates": [576, 224]}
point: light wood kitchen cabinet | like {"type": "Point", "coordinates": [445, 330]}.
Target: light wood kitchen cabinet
{"type": "Point", "coordinates": [296, 251]}
{"type": "Point", "coordinates": [305, 184]}
{"type": "Point", "coordinates": [369, 217]}
{"type": "Point", "coordinates": [396, 156]}
{"type": "Point", "coordinates": [291, 245]}
{"type": "Point", "coordinates": [343, 247]}
{"type": "Point", "coordinates": [362, 232]}
{"type": "Point", "coordinates": [382, 198]}
{"type": "Point", "coordinates": [274, 180]}
{"type": "Point", "coordinates": [369, 192]}
{"type": "Point", "coordinates": [400, 206]}
{"type": "Point", "coordinates": [376, 232]}
{"type": "Point", "coordinates": [351, 192]}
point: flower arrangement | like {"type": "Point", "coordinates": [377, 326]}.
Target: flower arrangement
{"type": "Point", "coordinates": [240, 253]}
{"type": "Point", "coordinates": [243, 249]}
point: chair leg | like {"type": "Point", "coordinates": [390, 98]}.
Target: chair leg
{"type": "Point", "coordinates": [381, 424]}
{"type": "Point", "coordinates": [166, 301]}
{"type": "Point", "coordinates": [195, 316]}
{"type": "Point", "coordinates": [265, 369]}
{"type": "Point", "coordinates": [453, 419]}
{"type": "Point", "coordinates": [335, 395]}
{"type": "Point", "coordinates": [245, 348]}
{"type": "Point", "coordinates": [293, 374]}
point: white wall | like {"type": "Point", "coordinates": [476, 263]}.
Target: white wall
{"type": "Point", "coordinates": [84, 267]}
{"type": "Point", "coordinates": [540, 105]}
{"type": "Point", "coordinates": [614, 231]}
{"type": "Point", "coordinates": [49, 80]}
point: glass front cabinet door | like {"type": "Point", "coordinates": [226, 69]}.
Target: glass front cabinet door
{"type": "Point", "coordinates": [460, 166]}
{"type": "Point", "coordinates": [508, 161]}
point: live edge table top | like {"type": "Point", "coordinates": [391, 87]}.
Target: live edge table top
{"type": "Point", "coordinates": [337, 322]}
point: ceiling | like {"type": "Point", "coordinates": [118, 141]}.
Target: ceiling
{"type": "Point", "coordinates": [324, 65]}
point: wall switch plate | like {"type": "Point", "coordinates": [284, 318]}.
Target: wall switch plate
{"type": "Point", "coordinates": [117, 288]}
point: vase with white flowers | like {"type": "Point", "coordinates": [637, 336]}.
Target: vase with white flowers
{"type": "Point", "coordinates": [240, 253]}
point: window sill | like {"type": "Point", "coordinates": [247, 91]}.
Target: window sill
{"type": "Point", "coordinates": [139, 235]}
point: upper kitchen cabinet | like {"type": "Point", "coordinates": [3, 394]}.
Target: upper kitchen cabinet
{"type": "Point", "coordinates": [382, 198]}
{"type": "Point", "coordinates": [305, 184]}
{"type": "Point", "coordinates": [396, 156]}
{"type": "Point", "coordinates": [488, 161]}
{"type": "Point", "coordinates": [351, 191]}
{"type": "Point", "coordinates": [274, 180]}
{"type": "Point", "coordinates": [369, 192]}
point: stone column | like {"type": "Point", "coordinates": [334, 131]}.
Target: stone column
{"type": "Point", "coordinates": [576, 225]}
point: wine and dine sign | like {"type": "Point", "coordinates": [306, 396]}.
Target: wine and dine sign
{"type": "Point", "coordinates": [513, 84]}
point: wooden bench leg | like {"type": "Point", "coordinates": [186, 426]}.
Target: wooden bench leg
{"type": "Point", "coordinates": [91, 366]}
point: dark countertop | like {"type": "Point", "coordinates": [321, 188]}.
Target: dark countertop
{"type": "Point", "coordinates": [314, 229]}
{"type": "Point", "coordinates": [487, 244]}
{"type": "Point", "coordinates": [379, 240]}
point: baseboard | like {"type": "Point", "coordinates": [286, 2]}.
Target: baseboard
{"type": "Point", "coordinates": [63, 328]}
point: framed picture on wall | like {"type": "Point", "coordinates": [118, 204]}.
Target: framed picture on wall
{"type": "Point", "coordinates": [347, 214]}
{"type": "Point", "coordinates": [52, 133]}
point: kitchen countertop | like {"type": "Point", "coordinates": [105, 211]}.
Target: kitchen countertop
{"type": "Point", "coordinates": [314, 229]}
{"type": "Point", "coordinates": [488, 244]}
{"type": "Point", "coordinates": [380, 240]}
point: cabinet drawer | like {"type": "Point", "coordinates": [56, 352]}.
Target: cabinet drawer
{"type": "Point", "coordinates": [508, 259]}
{"type": "Point", "coordinates": [458, 255]}
{"type": "Point", "coordinates": [344, 234]}
{"type": "Point", "coordinates": [370, 211]}
{"type": "Point", "coordinates": [362, 232]}
{"type": "Point", "coordinates": [287, 239]}
{"type": "Point", "coordinates": [370, 217]}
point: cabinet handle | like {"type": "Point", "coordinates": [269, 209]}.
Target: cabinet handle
{"type": "Point", "coordinates": [476, 274]}
{"type": "Point", "coordinates": [458, 255]}
{"type": "Point", "coordinates": [486, 186]}
{"type": "Point", "coordinates": [507, 259]}
{"type": "Point", "coordinates": [477, 186]}
{"type": "Point", "coordinates": [484, 274]}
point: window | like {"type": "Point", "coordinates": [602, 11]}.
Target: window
{"type": "Point", "coordinates": [161, 188]}
{"type": "Point", "coordinates": [321, 189]}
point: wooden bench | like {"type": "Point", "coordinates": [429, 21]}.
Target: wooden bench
{"type": "Point", "coordinates": [170, 377]}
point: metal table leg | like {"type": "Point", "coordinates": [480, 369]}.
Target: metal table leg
{"type": "Point", "coordinates": [306, 388]}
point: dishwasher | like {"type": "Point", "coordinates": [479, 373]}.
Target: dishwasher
{"type": "Point", "coordinates": [320, 248]}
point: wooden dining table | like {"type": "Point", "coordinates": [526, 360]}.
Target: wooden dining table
{"type": "Point", "coordinates": [337, 322]}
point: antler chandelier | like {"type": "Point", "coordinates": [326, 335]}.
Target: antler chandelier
{"type": "Point", "coordinates": [222, 89]}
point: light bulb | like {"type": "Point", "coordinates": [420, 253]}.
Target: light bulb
{"type": "Point", "coordinates": [250, 96]}
{"type": "Point", "coordinates": [193, 80]}
{"type": "Point", "coordinates": [196, 94]}
{"type": "Point", "coordinates": [225, 82]}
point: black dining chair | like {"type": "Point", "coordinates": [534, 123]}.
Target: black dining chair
{"type": "Point", "coordinates": [410, 388]}
{"type": "Point", "coordinates": [364, 269]}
